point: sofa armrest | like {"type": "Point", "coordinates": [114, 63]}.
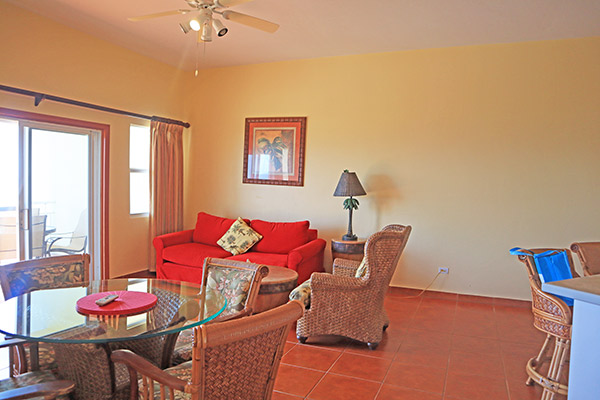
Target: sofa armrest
{"type": "Point", "coordinates": [170, 239]}
{"type": "Point", "coordinates": [307, 259]}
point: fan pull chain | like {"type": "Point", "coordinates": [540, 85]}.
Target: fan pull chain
{"type": "Point", "coordinates": [197, 56]}
{"type": "Point", "coordinates": [197, 51]}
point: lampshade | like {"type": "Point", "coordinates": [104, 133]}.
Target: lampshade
{"type": "Point", "coordinates": [349, 185]}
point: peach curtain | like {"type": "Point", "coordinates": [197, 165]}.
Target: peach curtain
{"type": "Point", "coordinates": [166, 181]}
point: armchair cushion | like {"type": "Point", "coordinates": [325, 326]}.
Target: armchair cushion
{"type": "Point", "coordinates": [280, 237]}
{"type": "Point", "coordinates": [302, 293]}
{"type": "Point", "coordinates": [239, 238]}
{"type": "Point", "coordinates": [361, 271]}
{"type": "Point", "coordinates": [192, 254]}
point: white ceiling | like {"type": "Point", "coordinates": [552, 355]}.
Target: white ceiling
{"type": "Point", "coordinates": [312, 28]}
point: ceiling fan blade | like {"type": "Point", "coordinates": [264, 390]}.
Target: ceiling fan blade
{"type": "Point", "coordinates": [250, 21]}
{"type": "Point", "coordinates": [158, 15]}
{"type": "Point", "coordinates": [230, 3]}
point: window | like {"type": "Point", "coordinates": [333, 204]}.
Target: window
{"type": "Point", "coordinates": [139, 169]}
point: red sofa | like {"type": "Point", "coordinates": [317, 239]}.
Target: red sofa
{"type": "Point", "coordinates": [180, 255]}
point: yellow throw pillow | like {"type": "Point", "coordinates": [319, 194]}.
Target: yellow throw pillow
{"type": "Point", "coordinates": [239, 238]}
{"type": "Point", "coordinates": [361, 271]}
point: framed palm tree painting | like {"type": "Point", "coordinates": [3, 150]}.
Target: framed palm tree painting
{"type": "Point", "coordinates": [274, 151]}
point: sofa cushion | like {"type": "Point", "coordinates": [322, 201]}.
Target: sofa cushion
{"type": "Point", "coordinates": [192, 254]}
{"type": "Point", "coordinates": [210, 228]}
{"type": "Point", "coordinates": [279, 260]}
{"type": "Point", "coordinates": [280, 237]}
{"type": "Point", "coordinates": [239, 238]}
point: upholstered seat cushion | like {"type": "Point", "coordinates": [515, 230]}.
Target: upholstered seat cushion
{"type": "Point", "coordinates": [28, 379]}
{"type": "Point", "coordinates": [47, 358]}
{"type": "Point", "coordinates": [193, 254]}
{"type": "Point", "coordinates": [279, 260]}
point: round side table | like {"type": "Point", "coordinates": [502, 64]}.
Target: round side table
{"type": "Point", "coordinates": [275, 288]}
{"type": "Point", "coordinates": [348, 249]}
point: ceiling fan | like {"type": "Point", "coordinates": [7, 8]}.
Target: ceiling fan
{"type": "Point", "coordinates": [204, 21]}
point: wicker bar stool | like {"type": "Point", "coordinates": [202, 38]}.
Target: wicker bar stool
{"type": "Point", "coordinates": [554, 317]}
{"type": "Point", "coordinates": [589, 255]}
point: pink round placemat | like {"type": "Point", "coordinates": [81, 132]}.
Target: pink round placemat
{"type": "Point", "coordinates": [127, 303]}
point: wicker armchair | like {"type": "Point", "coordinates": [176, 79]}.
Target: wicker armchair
{"type": "Point", "coordinates": [42, 273]}
{"type": "Point", "coordinates": [32, 384]}
{"type": "Point", "coordinates": [344, 305]}
{"type": "Point", "coordinates": [239, 282]}
{"type": "Point", "coordinates": [236, 359]}
{"type": "Point", "coordinates": [552, 316]}
{"type": "Point", "coordinates": [589, 255]}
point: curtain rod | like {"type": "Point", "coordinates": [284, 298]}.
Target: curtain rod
{"type": "Point", "coordinates": [43, 96]}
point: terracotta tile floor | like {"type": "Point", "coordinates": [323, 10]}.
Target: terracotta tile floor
{"type": "Point", "coordinates": [438, 347]}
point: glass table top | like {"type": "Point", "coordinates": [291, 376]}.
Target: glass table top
{"type": "Point", "coordinates": [50, 315]}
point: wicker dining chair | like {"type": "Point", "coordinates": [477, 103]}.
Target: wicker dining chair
{"type": "Point", "coordinates": [41, 273]}
{"type": "Point", "coordinates": [235, 359]}
{"type": "Point", "coordinates": [239, 282]}
{"type": "Point", "coordinates": [32, 384]}
{"type": "Point", "coordinates": [554, 317]}
{"type": "Point", "coordinates": [589, 255]}
{"type": "Point", "coordinates": [345, 305]}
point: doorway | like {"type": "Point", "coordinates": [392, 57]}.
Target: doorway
{"type": "Point", "coordinates": [49, 191]}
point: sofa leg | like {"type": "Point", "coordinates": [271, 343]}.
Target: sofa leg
{"type": "Point", "coordinates": [372, 346]}
{"type": "Point", "coordinates": [302, 339]}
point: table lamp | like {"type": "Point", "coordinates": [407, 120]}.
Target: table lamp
{"type": "Point", "coordinates": [349, 186]}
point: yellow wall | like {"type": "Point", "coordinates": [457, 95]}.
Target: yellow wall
{"type": "Point", "coordinates": [40, 55]}
{"type": "Point", "coordinates": [479, 148]}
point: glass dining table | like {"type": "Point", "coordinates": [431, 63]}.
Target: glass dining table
{"type": "Point", "coordinates": [82, 336]}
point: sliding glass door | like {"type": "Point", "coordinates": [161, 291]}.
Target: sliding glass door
{"type": "Point", "coordinates": [48, 181]}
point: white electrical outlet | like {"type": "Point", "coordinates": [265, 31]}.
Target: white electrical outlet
{"type": "Point", "coordinates": [443, 270]}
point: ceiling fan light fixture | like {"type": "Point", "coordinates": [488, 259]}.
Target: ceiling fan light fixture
{"type": "Point", "coordinates": [219, 28]}
{"type": "Point", "coordinates": [194, 25]}
{"type": "Point", "coordinates": [206, 33]}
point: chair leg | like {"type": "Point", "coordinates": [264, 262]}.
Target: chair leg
{"type": "Point", "coordinates": [550, 383]}
{"type": "Point", "coordinates": [372, 346]}
{"type": "Point", "coordinates": [302, 339]}
{"type": "Point", "coordinates": [534, 362]}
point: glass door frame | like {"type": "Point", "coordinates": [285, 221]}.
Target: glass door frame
{"type": "Point", "coordinates": [98, 159]}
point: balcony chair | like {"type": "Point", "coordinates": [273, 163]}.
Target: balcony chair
{"type": "Point", "coordinates": [589, 255]}
{"type": "Point", "coordinates": [551, 315]}
{"type": "Point", "coordinates": [346, 305]}
{"type": "Point", "coordinates": [235, 359]}
{"type": "Point", "coordinates": [69, 242]}
{"type": "Point", "coordinates": [239, 282]}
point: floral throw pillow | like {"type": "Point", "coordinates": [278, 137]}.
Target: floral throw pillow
{"type": "Point", "coordinates": [361, 271]}
{"type": "Point", "coordinates": [302, 293]}
{"type": "Point", "coordinates": [239, 238]}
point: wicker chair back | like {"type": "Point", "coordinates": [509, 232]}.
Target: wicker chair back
{"type": "Point", "coordinates": [589, 256]}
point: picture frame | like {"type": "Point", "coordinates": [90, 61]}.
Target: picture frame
{"type": "Point", "coordinates": [274, 151]}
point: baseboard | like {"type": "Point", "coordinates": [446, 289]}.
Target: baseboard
{"type": "Point", "coordinates": [465, 298]}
